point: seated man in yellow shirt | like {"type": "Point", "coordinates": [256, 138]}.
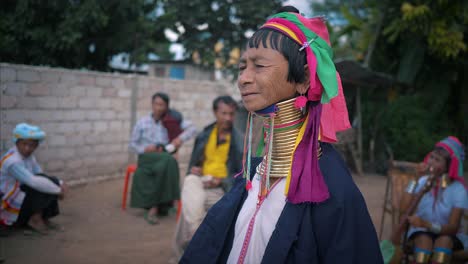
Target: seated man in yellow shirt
{"type": "Point", "coordinates": [216, 158]}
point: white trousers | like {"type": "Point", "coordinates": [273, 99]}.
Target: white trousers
{"type": "Point", "coordinates": [196, 201]}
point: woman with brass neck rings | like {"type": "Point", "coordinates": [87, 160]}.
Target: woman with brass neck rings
{"type": "Point", "coordinates": [435, 227]}
{"type": "Point", "coordinates": [296, 201]}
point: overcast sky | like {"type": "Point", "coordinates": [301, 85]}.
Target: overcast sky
{"type": "Point", "coordinates": [302, 5]}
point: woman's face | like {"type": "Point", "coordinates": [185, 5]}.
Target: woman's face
{"type": "Point", "coordinates": [438, 163]}
{"type": "Point", "coordinates": [26, 146]}
{"type": "Point", "coordinates": [262, 79]}
{"type": "Point", "coordinates": [159, 106]}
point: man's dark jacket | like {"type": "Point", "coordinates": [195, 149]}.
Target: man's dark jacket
{"type": "Point", "coordinates": [234, 162]}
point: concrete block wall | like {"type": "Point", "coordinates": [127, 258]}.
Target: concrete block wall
{"type": "Point", "coordinates": [88, 115]}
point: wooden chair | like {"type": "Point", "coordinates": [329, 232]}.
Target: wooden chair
{"type": "Point", "coordinates": [398, 175]}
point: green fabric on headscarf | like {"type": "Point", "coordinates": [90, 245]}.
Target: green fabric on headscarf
{"type": "Point", "coordinates": [326, 70]}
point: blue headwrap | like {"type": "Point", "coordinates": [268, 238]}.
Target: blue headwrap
{"type": "Point", "coordinates": [26, 131]}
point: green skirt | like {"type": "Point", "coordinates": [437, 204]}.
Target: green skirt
{"type": "Point", "coordinates": [156, 180]}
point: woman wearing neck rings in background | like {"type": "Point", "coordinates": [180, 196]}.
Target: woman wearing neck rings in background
{"type": "Point", "coordinates": [297, 202]}
{"type": "Point", "coordinates": [435, 227]}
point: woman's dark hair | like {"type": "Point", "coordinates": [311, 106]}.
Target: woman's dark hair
{"type": "Point", "coordinates": [270, 38]}
{"type": "Point", "coordinates": [163, 96]}
{"type": "Point", "coordinates": [288, 8]}
{"type": "Point", "coordinates": [275, 40]}
{"type": "Point", "coordinates": [224, 99]}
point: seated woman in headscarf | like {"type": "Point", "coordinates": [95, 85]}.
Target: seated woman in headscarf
{"type": "Point", "coordinates": [435, 226]}
{"type": "Point", "coordinates": [29, 197]}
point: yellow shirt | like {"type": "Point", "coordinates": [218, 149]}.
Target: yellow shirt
{"type": "Point", "coordinates": [216, 156]}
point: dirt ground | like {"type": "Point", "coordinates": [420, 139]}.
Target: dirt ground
{"type": "Point", "coordinates": [98, 231]}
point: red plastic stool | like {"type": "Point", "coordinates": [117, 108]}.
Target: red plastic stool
{"type": "Point", "coordinates": [130, 170]}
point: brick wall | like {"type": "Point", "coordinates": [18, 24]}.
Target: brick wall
{"type": "Point", "coordinates": [88, 116]}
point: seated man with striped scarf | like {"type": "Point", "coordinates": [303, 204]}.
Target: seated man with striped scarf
{"type": "Point", "coordinates": [30, 198]}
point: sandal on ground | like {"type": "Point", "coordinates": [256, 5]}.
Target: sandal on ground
{"type": "Point", "coordinates": [172, 211]}
{"type": "Point", "coordinates": [54, 226]}
{"type": "Point", "coordinates": [32, 231]}
{"type": "Point", "coordinates": [151, 219]}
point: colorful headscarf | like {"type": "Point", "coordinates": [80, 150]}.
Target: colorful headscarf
{"type": "Point", "coordinates": [305, 182]}
{"type": "Point", "coordinates": [455, 148]}
{"type": "Point", "coordinates": [325, 82]}
{"type": "Point", "coordinates": [27, 131]}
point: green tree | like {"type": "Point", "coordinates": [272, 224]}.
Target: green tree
{"type": "Point", "coordinates": [200, 24]}
{"type": "Point", "coordinates": [77, 34]}
{"type": "Point", "coordinates": [86, 33]}
{"type": "Point", "coordinates": [423, 45]}
{"type": "Point", "coordinates": [350, 26]}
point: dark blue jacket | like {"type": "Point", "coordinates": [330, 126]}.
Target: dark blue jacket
{"type": "Point", "coordinates": [336, 231]}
